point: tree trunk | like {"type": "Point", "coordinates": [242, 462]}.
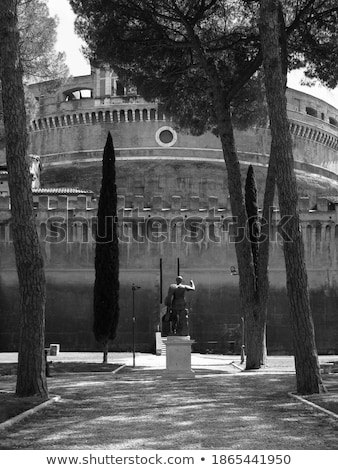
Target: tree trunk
{"type": "Point", "coordinates": [253, 302]}
{"type": "Point", "coordinates": [31, 378]}
{"type": "Point", "coordinates": [306, 359]}
{"type": "Point", "coordinates": [250, 308]}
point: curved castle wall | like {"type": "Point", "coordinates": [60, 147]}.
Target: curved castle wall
{"type": "Point", "coordinates": [167, 181]}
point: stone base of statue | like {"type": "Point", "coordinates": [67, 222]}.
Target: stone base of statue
{"type": "Point", "coordinates": [178, 357]}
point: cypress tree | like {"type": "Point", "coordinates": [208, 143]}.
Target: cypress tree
{"type": "Point", "coordinates": [106, 287]}
{"type": "Point", "coordinates": [252, 213]}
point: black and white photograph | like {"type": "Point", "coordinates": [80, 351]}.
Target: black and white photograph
{"type": "Point", "coordinates": [169, 233]}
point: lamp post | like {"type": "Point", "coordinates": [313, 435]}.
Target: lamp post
{"type": "Point", "coordinates": [243, 341]}
{"type": "Point", "coordinates": [234, 272]}
{"type": "Point", "coordinates": [133, 288]}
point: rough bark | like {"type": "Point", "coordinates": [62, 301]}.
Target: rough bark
{"type": "Point", "coordinates": [306, 358]}
{"type": "Point", "coordinates": [256, 324]}
{"type": "Point", "coordinates": [263, 284]}
{"type": "Point", "coordinates": [106, 287]}
{"type": "Point", "coordinates": [253, 302]}
{"type": "Point", "coordinates": [251, 206]}
{"type": "Point", "coordinates": [31, 376]}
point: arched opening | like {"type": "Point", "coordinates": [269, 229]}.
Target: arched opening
{"type": "Point", "coordinates": [94, 230]}
{"type": "Point", "coordinates": [10, 233]}
{"type": "Point", "coordinates": [119, 88]}
{"type": "Point", "coordinates": [84, 233]}
{"type": "Point", "coordinates": [333, 121]}
{"type": "Point", "coordinates": [78, 94]}
{"type": "Point", "coordinates": [212, 233]}
{"type": "Point", "coordinates": [318, 236]}
{"type": "Point", "coordinates": [311, 111]}
{"type": "Point", "coordinates": [2, 233]}
{"type": "Point", "coordinates": [308, 237]}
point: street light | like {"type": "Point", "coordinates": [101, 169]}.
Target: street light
{"type": "Point", "coordinates": [134, 288]}
{"type": "Point", "coordinates": [234, 272]}
{"type": "Point", "coordinates": [243, 341]}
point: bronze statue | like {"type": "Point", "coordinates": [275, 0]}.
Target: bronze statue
{"type": "Point", "coordinates": [176, 307]}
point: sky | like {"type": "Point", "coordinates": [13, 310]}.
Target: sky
{"type": "Point", "coordinates": [68, 41]}
{"type": "Point", "coordinates": [71, 44]}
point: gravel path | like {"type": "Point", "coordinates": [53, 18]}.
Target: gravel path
{"type": "Point", "coordinates": [222, 408]}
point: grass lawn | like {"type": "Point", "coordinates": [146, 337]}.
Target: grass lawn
{"type": "Point", "coordinates": [12, 405]}
{"type": "Point", "coordinates": [327, 400]}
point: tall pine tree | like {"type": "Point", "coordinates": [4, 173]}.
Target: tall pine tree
{"type": "Point", "coordinates": [274, 50]}
{"type": "Point", "coordinates": [106, 287]}
{"type": "Point", "coordinates": [31, 376]}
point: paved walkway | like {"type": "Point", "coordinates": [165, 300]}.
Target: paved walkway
{"type": "Point", "coordinates": [140, 408]}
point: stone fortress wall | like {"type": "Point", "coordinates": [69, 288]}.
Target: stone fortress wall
{"type": "Point", "coordinates": [167, 183]}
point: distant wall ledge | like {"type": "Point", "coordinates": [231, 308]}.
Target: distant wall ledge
{"type": "Point", "coordinates": [318, 132]}
{"type": "Point", "coordinates": [209, 156]}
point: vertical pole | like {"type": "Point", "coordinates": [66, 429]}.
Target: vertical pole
{"type": "Point", "coordinates": [161, 282]}
{"type": "Point", "coordinates": [133, 289]}
{"type": "Point", "coordinates": [243, 341]}
{"type": "Point", "coordinates": [178, 266]}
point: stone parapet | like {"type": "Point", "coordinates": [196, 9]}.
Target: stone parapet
{"type": "Point", "coordinates": [87, 202]}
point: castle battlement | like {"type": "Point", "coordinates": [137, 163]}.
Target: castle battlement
{"type": "Point", "coordinates": [51, 202]}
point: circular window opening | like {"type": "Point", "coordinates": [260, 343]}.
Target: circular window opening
{"type": "Point", "coordinates": [166, 136]}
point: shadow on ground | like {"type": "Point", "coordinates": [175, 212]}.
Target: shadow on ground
{"type": "Point", "coordinates": [141, 409]}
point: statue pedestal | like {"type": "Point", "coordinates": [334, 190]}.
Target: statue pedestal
{"type": "Point", "coordinates": [178, 357]}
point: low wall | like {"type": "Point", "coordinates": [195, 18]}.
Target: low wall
{"type": "Point", "coordinates": [215, 319]}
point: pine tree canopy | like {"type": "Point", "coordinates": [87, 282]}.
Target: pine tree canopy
{"type": "Point", "coordinates": [148, 43]}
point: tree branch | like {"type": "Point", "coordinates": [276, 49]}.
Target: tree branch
{"type": "Point", "coordinates": [244, 75]}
